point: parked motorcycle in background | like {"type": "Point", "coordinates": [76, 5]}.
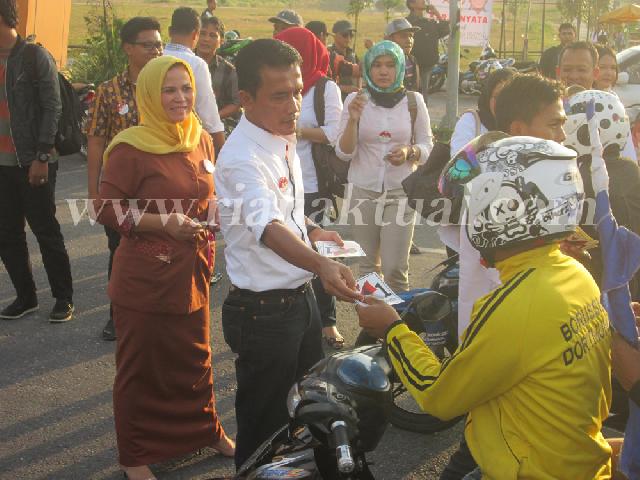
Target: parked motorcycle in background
{"type": "Point", "coordinates": [86, 93]}
{"type": "Point", "coordinates": [472, 80]}
{"type": "Point", "coordinates": [232, 45]}
{"type": "Point", "coordinates": [438, 74]}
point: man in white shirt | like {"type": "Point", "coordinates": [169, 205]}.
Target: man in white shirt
{"type": "Point", "coordinates": [184, 32]}
{"type": "Point", "coordinates": [270, 318]}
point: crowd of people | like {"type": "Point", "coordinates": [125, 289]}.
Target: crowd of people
{"type": "Point", "coordinates": [165, 177]}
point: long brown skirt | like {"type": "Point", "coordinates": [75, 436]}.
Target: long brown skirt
{"type": "Point", "coordinates": [163, 399]}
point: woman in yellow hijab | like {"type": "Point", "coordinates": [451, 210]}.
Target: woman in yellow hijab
{"type": "Point", "coordinates": [157, 191]}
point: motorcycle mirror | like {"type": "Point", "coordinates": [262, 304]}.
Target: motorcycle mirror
{"type": "Point", "coordinates": [431, 306]}
{"type": "Point", "coordinates": [623, 78]}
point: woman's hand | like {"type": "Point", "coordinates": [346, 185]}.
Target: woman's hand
{"type": "Point", "coordinates": [181, 227]}
{"type": "Point", "coordinates": [356, 107]}
{"type": "Point", "coordinates": [398, 155]}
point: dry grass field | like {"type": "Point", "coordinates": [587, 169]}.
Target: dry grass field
{"type": "Point", "coordinates": [252, 20]}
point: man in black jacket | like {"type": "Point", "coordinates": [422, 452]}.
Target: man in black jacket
{"type": "Point", "coordinates": [29, 112]}
{"type": "Point", "coordinates": [550, 57]}
{"type": "Point", "coordinates": [425, 46]}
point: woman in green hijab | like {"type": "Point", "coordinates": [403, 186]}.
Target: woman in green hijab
{"type": "Point", "coordinates": [385, 132]}
{"type": "Point", "coordinates": [384, 66]}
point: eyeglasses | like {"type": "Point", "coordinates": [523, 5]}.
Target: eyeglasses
{"type": "Point", "coordinates": [150, 45]}
{"type": "Point", "coordinates": [347, 34]}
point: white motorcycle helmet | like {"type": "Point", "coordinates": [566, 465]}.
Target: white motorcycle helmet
{"type": "Point", "coordinates": [613, 123]}
{"type": "Point", "coordinates": [529, 190]}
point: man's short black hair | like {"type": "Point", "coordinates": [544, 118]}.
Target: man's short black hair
{"type": "Point", "coordinates": [184, 21]}
{"type": "Point", "coordinates": [130, 30]}
{"type": "Point", "coordinates": [214, 21]}
{"type": "Point", "coordinates": [524, 97]}
{"type": "Point", "coordinates": [265, 52]}
{"type": "Point", "coordinates": [566, 26]}
{"type": "Point", "coordinates": [9, 12]}
{"type": "Point", "coordinates": [582, 45]}
{"type": "Point", "coordinates": [317, 27]}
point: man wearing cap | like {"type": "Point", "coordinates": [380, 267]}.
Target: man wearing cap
{"type": "Point", "coordinates": [343, 33]}
{"type": "Point", "coordinates": [425, 49]}
{"type": "Point", "coordinates": [400, 31]}
{"type": "Point", "coordinates": [285, 19]}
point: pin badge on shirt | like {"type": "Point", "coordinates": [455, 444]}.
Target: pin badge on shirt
{"type": "Point", "coordinates": [208, 165]}
{"type": "Point", "coordinates": [123, 108]}
{"type": "Point", "coordinates": [283, 183]}
{"type": "Point", "coordinates": [384, 137]}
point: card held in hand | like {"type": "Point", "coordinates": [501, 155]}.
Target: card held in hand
{"type": "Point", "coordinates": [333, 250]}
{"type": "Point", "coordinates": [372, 285]}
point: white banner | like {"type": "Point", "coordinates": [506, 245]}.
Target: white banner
{"type": "Point", "coordinates": [475, 20]}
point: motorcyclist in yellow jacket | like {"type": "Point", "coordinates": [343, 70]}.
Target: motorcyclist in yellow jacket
{"type": "Point", "coordinates": [533, 368]}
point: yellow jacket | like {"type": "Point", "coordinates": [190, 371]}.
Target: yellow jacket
{"type": "Point", "coordinates": [533, 371]}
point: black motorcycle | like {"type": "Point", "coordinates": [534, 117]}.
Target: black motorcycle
{"type": "Point", "coordinates": [339, 410]}
{"type": "Point", "coordinates": [438, 74]}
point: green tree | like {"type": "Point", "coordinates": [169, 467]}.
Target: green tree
{"type": "Point", "coordinates": [103, 57]}
{"type": "Point", "coordinates": [578, 11]}
{"type": "Point", "coordinates": [354, 9]}
{"type": "Point", "coordinates": [387, 6]}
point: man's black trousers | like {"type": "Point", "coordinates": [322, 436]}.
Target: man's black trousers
{"type": "Point", "coordinates": [19, 201]}
{"type": "Point", "coordinates": [277, 337]}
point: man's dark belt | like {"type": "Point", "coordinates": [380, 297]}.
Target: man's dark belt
{"type": "Point", "coordinates": [280, 292]}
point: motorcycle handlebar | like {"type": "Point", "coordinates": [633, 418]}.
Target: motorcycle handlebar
{"type": "Point", "coordinates": [346, 463]}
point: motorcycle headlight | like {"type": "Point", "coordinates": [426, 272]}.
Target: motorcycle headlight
{"type": "Point", "coordinates": [293, 400]}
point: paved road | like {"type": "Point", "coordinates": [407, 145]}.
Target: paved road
{"type": "Point", "coordinates": [56, 418]}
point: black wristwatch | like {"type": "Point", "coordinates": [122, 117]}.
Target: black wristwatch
{"type": "Point", "coordinates": [43, 157]}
